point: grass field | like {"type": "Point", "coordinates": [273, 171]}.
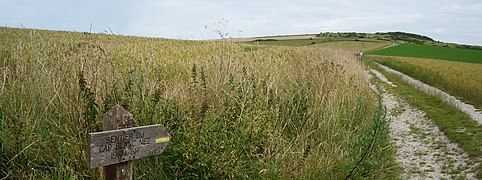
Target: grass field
{"type": "Point", "coordinates": [448, 118]}
{"type": "Point", "coordinates": [281, 37]}
{"type": "Point", "coordinates": [463, 80]}
{"type": "Point", "coordinates": [234, 111]}
{"type": "Point", "coordinates": [351, 46]}
{"type": "Point", "coordinates": [355, 46]}
{"type": "Point", "coordinates": [289, 42]}
{"type": "Point", "coordinates": [431, 52]}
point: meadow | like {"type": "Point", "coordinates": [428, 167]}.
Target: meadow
{"type": "Point", "coordinates": [463, 80]}
{"type": "Point", "coordinates": [287, 42]}
{"type": "Point", "coordinates": [233, 110]}
{"type": "Point", "coordinates": [345, 44]}
{"type": "Point", "coordinates": [431, 52]}
{"type": "Point", "coordinates": [355, 46]}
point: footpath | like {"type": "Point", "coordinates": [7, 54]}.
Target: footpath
{"type": "Point", "coordinates": [423, 151]}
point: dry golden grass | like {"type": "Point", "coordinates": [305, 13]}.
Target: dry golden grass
{"type": "Point", "coordinates": [355, 46]}
{"type": "Point", "coordinates": [280, 38]}
{"type": "Point", "coordinates": [234, 111]}
{"type": "Point", "coordinates": [463, 80]}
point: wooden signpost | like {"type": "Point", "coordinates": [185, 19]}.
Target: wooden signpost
{"type": "Point", "coordinates": [120, 143]}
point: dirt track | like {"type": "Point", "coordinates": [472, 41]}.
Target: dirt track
{"type": "Point", "coordinates": [423, 151]}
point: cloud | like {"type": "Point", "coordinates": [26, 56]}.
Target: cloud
{"type": "Point", "coordinates": [447, 20]}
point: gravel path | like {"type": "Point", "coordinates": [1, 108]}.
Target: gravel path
{"type": "Point", "coordinates": [383, 78]}
{"type": "Point", "coordinates": [423, 151]}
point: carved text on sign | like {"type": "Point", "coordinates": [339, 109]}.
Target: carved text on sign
{"type": "Point", "coordinates": [111, 147]}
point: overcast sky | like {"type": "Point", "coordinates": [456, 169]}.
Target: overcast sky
{"type": "Point", "coordinates": [458, 21]}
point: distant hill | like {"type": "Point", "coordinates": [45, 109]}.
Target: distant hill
{"type": "Point", "coordinates": [390, 36]}
{"type": "Point", "coordinates": [327, 37]}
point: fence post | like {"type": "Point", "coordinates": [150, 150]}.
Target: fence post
{"type": "Point", "coordinates": [118, 118]}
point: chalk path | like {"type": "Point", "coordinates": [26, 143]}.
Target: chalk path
{"type": "Point", "coordinates": [423, 151]}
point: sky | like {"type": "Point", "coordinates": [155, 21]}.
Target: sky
{"type": "Point", "coordinates": [456, 21]}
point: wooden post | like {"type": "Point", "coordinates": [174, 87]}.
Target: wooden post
{"type": "Point", "coordinates": [118, 118]}
{"type": "Point", "coordinates": [120, 143]}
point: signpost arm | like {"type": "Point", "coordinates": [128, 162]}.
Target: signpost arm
{"type": "Point", "coordinates": [118, 118]}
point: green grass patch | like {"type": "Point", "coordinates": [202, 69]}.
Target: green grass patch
{"type": "Point", "coordinates": [431, 52]}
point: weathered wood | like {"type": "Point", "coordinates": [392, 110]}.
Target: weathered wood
{"type": "Point", "coordinates": [120, 143]}
{"type": "Point", "coordinates": [111, 147]}
{"type": "Point", "coordinates": [117, 118]}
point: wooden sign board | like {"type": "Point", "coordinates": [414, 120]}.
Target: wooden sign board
{"type": "Point", "coordinates": [122, 145]}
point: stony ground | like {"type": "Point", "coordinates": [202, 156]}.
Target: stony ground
{"type": "Point", "coordinates": [423, 151]}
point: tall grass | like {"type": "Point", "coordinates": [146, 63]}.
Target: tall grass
{"type": "Point", "coordinates": [234, 111]}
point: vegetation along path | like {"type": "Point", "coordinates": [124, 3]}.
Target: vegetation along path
{"type": "Point", "coordinates": [467, 108]}
{"type": "Point", "coordinates": [423, 151]}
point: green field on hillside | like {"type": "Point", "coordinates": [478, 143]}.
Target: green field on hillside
{"type": "Point", "coordinates": [431, 52]}
{"type": "Point", "coordinates": [234, 111]}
